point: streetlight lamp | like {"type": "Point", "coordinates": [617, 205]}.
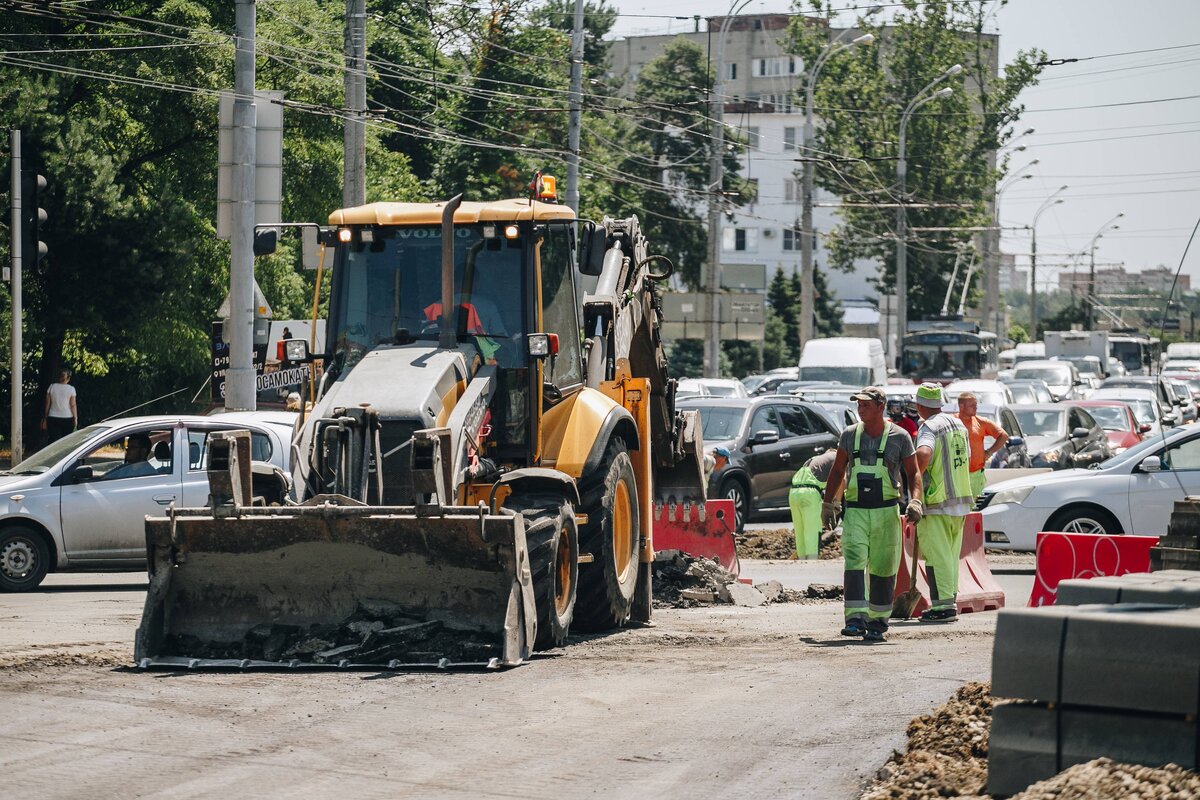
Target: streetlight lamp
{"type": "Point", "coordinates": [1052, 200]}
{"type": "Point", "coordinates": [807, 234]}
{"type": "Point", "coordinates": [901, 212]}
{"type": "Point", "coordinates": [1106, 227]}
{"type": "Point", "coordinates": [716, 179]}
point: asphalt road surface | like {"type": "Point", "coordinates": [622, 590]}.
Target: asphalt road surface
{"type": "Point", "coordinates": [722, 701]}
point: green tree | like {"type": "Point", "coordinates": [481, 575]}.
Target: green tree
{"type": "Point", "coordinates": [1018, 333]}
{"type": "Point", "coordinates": [829, 314]}
{"type": "Point", "coordinates": [860, 96]}
{"type": "Point", "coordinates": [776, 353]}
{"type": "Point", "coordinates": [783, 303]}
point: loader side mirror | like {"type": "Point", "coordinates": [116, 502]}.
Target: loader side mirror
{"type": "Point", "coordinates": [593, 243]}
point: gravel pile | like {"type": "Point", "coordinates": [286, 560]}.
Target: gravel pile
{"type": "Point", "coordinates": [947, 757]}
{"type": "Point", "coordinates": [946, 754]}
{"type": "Point", "coordinates": [1103, 778]}
{"type": "Point", "coordinates": [684, 581]}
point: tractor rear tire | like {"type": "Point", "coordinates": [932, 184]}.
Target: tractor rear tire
{"type": "Point", "coordinates": [613, 536]}
{"type": "Point", "coordinates": [552, 539]}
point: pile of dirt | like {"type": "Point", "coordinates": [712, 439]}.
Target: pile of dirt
{"type": "Point", "coordinates": [1105, 778]}
{"type": "Point", "coordinates": [946, 754]}
{"type": "Point", "coordinates": [776, 544]}
{"type": "Point", "coordinates": [684, 581]}
{"type": "Point", "coordinates": [947, 757]}
{"type": "Point", "coordinates": [779, 544]}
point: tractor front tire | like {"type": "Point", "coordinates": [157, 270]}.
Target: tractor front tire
{"type": "Point", "coordinates": [552, 538]}
{"type": "Point", "coordinates": [613, 536]}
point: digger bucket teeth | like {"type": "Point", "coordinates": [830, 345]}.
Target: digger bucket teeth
{"type": "Point", "coordinates": [336, 587]}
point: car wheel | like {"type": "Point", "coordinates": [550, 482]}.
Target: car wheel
{"type": "Point", "coordinates": [1084, 520]}
{"type": "Point", "coordinates": [24, 560]}
{"type": "Point", "coordinates": [733, 490]}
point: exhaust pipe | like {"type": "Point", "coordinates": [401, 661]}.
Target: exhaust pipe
{"type": "Point", "coordinates": [448, 333]}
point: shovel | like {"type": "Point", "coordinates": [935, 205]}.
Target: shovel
{"type": "Point", "coordinates": [906, 603]}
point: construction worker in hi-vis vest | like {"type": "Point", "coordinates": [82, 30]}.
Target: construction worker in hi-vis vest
{"type": "Point", "coordinates": [944, 457]}
{"type": "Point", "coordinates": [870, 458]}
{"type": "Point", "coordinates": [804, 499]}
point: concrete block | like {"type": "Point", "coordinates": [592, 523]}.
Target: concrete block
{"type": "Point", "coordinates": [698, 595]}
{"type": "Point", "coordinates": [772, 590]}
{"type": "Point", "coordinates": [741, 595]}
{"type": "Point", "coordinates": [1078, 592]}
{"type": "Point", "coordinates": [1154, 741]}
{"type": "Point", "coordinates": [1022, 748]}
{"type": "Point", "coordinates": [1171, 593]}
{"type": "Point", "coordinates": [1136, 657]}
{"type": "Point", "coordinates": [1027, 652]}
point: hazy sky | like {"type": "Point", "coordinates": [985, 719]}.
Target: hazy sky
{"type": "Point", "coordinates": [1143, 160]}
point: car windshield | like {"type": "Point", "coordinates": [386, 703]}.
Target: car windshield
{"type": "Point", "coordinates": [851, 376]}
{"type": "Point", "coordinates": [719, 423]}
{"type": "Point", "coordinates": [1111, 418]}
{"type": "Point", "coordinates": [1086, 365]}
{"type": "Point", "coordinates": [1144, 448]}
{"type": "Point", "coordinates": [1040, 422]}
{"type": "Point", "coordinates": [47, 457]}
{"type": "Point", "coordinates": [1050, 375]}
{"type": "Point", "coordinates": [722, 390]}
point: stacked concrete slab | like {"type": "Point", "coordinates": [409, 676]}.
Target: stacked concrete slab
{"type": "Point", "coordinates": [1180, 548]}
{"type": "Point", "coordinates": [1172, 587]}
{"type": "Point", "coordinates": [1121, 681]}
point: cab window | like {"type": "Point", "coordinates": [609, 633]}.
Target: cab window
{"type": "Point", "coordinates": [560, 311]}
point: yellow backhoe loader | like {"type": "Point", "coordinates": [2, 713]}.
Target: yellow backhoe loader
{"type": "Point", "coordinates": [480, 469]}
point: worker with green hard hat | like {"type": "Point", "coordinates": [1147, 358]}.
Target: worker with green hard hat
{"type": "Point", "coordinates": [870, 457]}
{"type": "Point", "coordinates": [944, 457]}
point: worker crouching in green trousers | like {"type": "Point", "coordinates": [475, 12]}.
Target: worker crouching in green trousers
{"type": "Point", "coordinates": [804, 498]}
{"type": "Point", "coordinates": [870, 457]}
{"type": "Point", "coordinates": [943, 455]}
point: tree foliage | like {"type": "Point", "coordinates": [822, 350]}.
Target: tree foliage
{"type": "Point", "coordinates": [860, 96]}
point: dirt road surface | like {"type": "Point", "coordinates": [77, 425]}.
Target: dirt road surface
{"type": "Point", "coordinates": [724, 701]}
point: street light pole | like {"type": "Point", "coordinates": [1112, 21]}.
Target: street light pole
{"type": "Point", "coordinates": [901, 212]}
{"type": "Point", "coordinates": [716, 180]}
{"type": "Point", "coordinates": [1091, 309]}
{"type": "Point", "coordinates": [989, 263]}
{"type": "Point", "coordinates": [807, 233]}
{"type": "Point", "coordinates": [1052, 200]}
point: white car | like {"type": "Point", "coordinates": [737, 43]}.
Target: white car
{"type": "Point", "coordinates": [1133, 492]}
{"type": "Point", "coordinates": [1144, 402]}
{"type": "Point", "coordinates": [77, 505]}
{"type": "Point", "coordinates": [992, 392]}
{"type": "Point", "coordinates": [690, 387]}
{"type": "Point", "coordinates": [723, 387]}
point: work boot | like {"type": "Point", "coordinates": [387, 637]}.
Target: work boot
{"type": "Point", "coordinates": [854, 627]}
{"type": "Point", "coordinates": [940, 615]}
{"type": "Point", "coordinates": [872, 635]}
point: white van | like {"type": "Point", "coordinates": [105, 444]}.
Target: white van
{"type": "Point", "coordinates": [1030, 351]}
{"type": "Point", "coordinates": [849, 360]}
{"type": "Point", "coordinates": [1182, 351]}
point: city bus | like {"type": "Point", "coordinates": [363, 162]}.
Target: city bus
{"type": "Point", "coordinates": [948, 351]}
{"type": "Point", "coordinates": [1137, 351]}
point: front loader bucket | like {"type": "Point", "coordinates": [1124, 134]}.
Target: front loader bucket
{"type": "Point", "coordinates": [336, 587]}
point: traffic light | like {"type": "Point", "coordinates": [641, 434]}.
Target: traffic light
{"type": "Point", "coordinates": [33, 249]}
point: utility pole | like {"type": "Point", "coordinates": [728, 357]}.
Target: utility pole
{"type": "Point", "coordinates": [354, 189]}
{"type": "Point", "coordinates": [15, 242]}
{"type": "Point", "coordinates": [575, 120]}
{"type": "Point", "coordinates": [716, 178]}
{"type": "Point", "coordinates": [240, 378]}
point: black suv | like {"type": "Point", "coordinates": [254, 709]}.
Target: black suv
{"type": "Point", "coordinates": [760, 443]}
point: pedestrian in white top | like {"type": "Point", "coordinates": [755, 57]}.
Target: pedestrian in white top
{"type": "Point", "coordinates": [61, 415]}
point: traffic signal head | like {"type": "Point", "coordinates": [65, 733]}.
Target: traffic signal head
{"type": "Point", "coordinates": [33, 217]}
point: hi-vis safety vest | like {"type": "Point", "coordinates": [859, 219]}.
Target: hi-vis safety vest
{"type": "Point", "coordinates": [948, 477]}
{"type": "Point", "coordinates": [804, 477]}
{"type": "Point", "coordinates": [870, 486]}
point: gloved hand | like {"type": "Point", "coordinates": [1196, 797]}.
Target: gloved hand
{"type": "Point", "coordinates": [915, 511]}
{"type": "Point", "coordinates": [829, 514]}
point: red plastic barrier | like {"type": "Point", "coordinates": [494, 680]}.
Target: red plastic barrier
{"type": "Point", "coordinates": [698, 529]}
{"type": "Point", "coordinates": [977, 589]}
{"type": "Point", "coordinates": [1062, 556]}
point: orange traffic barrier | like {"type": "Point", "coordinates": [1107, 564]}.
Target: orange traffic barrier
{"type": "Point", "coordinates": [977, 588]}
{"type": "Point", "coordinates": [1062, 556]}
{"type": "Point", "coordinates": [698, 529]}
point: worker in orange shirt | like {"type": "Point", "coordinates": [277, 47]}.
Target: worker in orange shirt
{"type": "Point", "coordinates": [979, 429]}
